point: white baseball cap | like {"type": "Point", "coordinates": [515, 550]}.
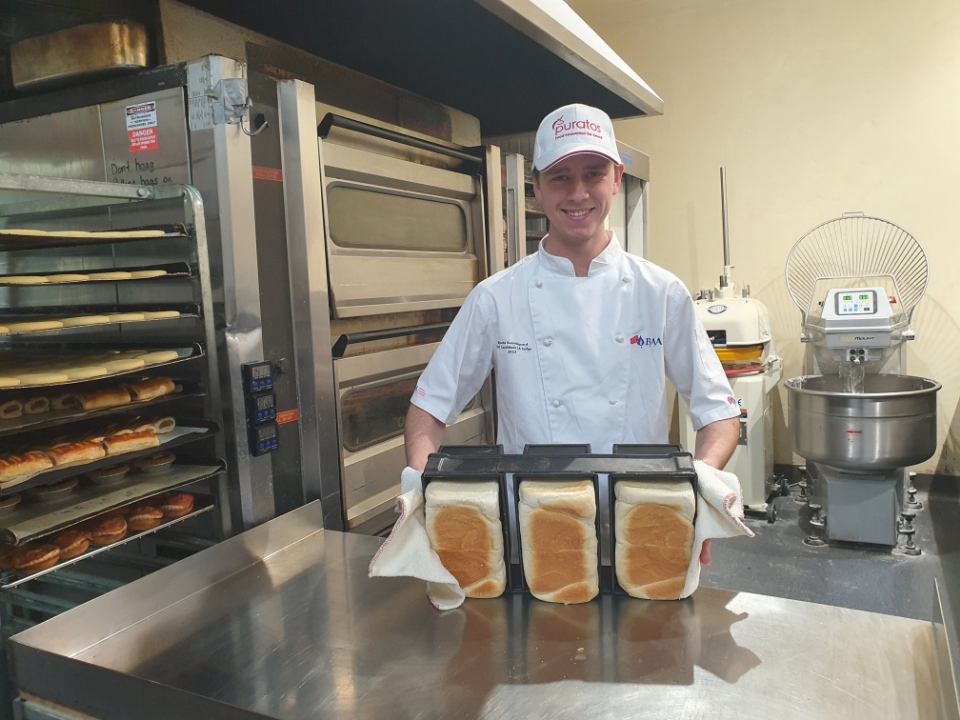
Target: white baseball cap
{"type": "Point", "coordinates": [571, 130]}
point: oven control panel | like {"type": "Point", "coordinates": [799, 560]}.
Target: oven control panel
{"type": "Point", "coordinates": [261, 404]}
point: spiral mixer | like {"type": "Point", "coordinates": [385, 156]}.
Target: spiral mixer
{"type": "Point", "coordinates": [857, 418]}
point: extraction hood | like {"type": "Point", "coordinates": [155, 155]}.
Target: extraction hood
{"type": "Point", "coordinates": [506, 62]}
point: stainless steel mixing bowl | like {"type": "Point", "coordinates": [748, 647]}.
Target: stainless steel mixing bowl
{"type": "Point", "coordinates": [892, 424]}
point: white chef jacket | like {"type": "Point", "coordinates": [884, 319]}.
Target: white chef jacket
{"type": "Point", "coordinates": [578, 359]}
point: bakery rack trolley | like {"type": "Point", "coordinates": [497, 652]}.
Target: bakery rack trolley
{"type": "Point", "coordinates": [77, 227]}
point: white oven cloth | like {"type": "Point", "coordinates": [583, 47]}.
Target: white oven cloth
{"type": "Point", "coordinates": [407, 552]}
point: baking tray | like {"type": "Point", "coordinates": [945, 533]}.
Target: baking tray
{"type": "Point", "coordinates": [562, 463]}
{"type": "Point", "coordinates": [194, 430]}
{"type": "Point", "coordinates": [32, 520]}
{"type": "Point", "coordinates": [173, 270]}
{"type": "Point", "coordinates": [32, 242]}
{"type": "Point", "coordinates": [62, 417]}
{"type": "Point", "coordinates": [36, 314]}
{"type": "Point", "coordinates": [202, 504]}
{"type": "Point", "coordinates": [185, 353]}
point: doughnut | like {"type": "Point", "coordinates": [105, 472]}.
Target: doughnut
{"type": "Point", "coordinates": [176, 505]}
{"type": "Point", "coordinates": [143, 517]}
{"type": "Point", "coordinates": [31, 559]}
{"type": "Point", "coordinates": [108, 531]}
{"type": "Point", "coordinates": [72, 543]}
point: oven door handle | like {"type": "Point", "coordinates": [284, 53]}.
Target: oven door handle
{"type": "Point", "coordinates": [331, 119]}
{"type": "Point", "coordinates": [340, 346]}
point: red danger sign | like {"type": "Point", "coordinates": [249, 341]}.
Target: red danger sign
{"type": "Point", "coordinates": [142, 126]}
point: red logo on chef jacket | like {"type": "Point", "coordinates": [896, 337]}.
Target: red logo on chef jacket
{"type": "Point", "coordinates": [641, 342]}
{"type": "Point", "coordinates": [421, 392]}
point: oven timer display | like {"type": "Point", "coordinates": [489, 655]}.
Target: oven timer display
{"type": "Point", "coordinates": [263, 439]}
{"type": "Point", "coordinates": [262, 408]}
{"type": "Point", "coordinates": [257, 377]}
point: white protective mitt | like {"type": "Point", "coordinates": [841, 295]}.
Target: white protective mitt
{"type": "Point", "coordinates": [407, 551]}
{"type": "Point", "coordinates": [719, 515]}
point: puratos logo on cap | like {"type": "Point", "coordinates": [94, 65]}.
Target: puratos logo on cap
{"type": "Point", "coordinates": [561, 129]}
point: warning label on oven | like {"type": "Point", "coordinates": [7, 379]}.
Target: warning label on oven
{"type": "Point", "coordinates": [142, 126]}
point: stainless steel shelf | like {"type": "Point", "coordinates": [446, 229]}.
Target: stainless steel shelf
{"type": "Point", "coordinates": [63, 417]}
{"type": "Point", "coordinates": [37, 519]}
{"type": "Point", "coordinates": [173, 271]}
{"type": "Point", "coordinates": [203, 504]}
{"type": "Point", "coordinates": [34, 242]}
{"type": "Point", "coordinates": [191, 312]}
{"type": "Point", "coordinates": [189, 353]}
{"type": "Point", "coordinates": [183, 435]}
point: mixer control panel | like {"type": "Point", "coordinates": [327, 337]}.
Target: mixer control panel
{"type": "Point", "coordinates": [856, 302]}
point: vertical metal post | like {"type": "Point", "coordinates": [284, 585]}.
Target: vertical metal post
{"type": "Point", "coordinates": [516, 209]}
{"type": "Point", "coordinates": [302, 189]}
{"type": "Point", "coordinates": [223, 173]}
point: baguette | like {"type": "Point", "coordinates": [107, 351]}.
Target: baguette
{"type": "Point", "coordinates": [654, 537]}
{"type": "Point", "coordinates": [23, 467]}
{"type": "Point", "coordinates": [118, 444]}
{"type": "Point", "coordinates": [78, 453]}
{"type": "Point", "coordinates": [463, 524]}
{"type": "Point", "coordinates": [558, 537]}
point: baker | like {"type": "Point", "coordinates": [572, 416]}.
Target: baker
{"type": "Point", "coordinates": [582, 335]}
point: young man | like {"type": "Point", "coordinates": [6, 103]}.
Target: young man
{"type": "Point", "coordinates": [582, 335]}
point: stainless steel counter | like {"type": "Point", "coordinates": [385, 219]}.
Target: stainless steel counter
{"type": "Point", "coordinates": [282, 622]}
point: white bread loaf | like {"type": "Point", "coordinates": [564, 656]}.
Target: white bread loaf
{"type": "Point", "coordinates": [558, 536]}
{"type": "Point", "coordinates": [654, 537]}
{"type": "Point", "coordinates": [463, 524]}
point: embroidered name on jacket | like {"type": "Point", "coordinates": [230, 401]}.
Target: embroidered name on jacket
{"type": "Point", "coordinates": [642, 342]}
{"type": "Point", "coordinates": [511, 347]}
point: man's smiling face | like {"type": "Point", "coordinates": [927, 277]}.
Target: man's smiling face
{"type": "Point", "coordinates": [576, 194]}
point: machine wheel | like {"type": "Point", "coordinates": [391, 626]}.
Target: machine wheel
{"type": "Point", "coordinates": [771, 513]}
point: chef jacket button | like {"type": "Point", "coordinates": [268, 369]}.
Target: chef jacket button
{"type": "Point", "coordinates": [548, 342]}
{"type": "Point", "coordinates": [619, 338]}
{"type": "Point", "coordinates": [613, 402]}
{"type": "Point", "coordinates": [539, 284]}
{"type": "Point", "coordinates": [625, 279]}
{"type": "Point", "coordinates": [557, 403]}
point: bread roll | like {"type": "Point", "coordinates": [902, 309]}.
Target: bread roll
{"type": "Point", "coordinates": [558, 536]}
{"type": "Point", "coordinates": [118, 444]}
{"type": "Point", "coordinates": [11, 409]}
{"type": "Point", "coordinates": [105, 398]}
{"type": "Point", "coordinates": [23, 467]}
{"type": "Point", "coordinates": [654, 537]}
{"type": "Point", "coordinates": [36, 405]}
{"type": "Point", "coordinates": [23, 280]}
{"type": "Point", "coordinates": [150, 389]}
{"type": "Point", "coordinates": [463, 524]}
{"type": "Point", "coordinates": [67, 278]}
{"type": "Point", "coordinates": [79, 453]}
{"type": "Point", "coordinates": [35, 325]}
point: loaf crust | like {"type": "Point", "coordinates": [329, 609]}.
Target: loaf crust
{"type": "Point", "coordinates": [463, 524]}
{"type": "Point", "coordinates": [654, 537]}
{"type": "Point", "coordinates": [559, 540]}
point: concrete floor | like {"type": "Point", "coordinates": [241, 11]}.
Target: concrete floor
{"type": "Point", "coordinates": [777, 563]}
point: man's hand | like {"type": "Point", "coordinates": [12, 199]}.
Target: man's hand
{"type": "Point", "coordinates": [705, 553]}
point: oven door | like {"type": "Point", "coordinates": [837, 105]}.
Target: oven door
{"type": "Point", "coordinates": [373, 395]}
{"type": "Point", "coordinates": [403, 217]}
